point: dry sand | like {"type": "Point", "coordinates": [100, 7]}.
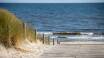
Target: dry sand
{"type": "Point", "coordinates": [29, 50]}
{"type": "Point", "coordinates": [69, 50]}
{"type": "Point", "coordinates": [64, 50]}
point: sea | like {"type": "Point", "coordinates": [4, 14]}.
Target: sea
{"type": "Point", "coordinates": [60, 17]}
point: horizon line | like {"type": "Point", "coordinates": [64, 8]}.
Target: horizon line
{"type": "Point", "coordinates": [52, 2]}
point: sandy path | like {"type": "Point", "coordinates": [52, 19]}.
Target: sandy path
{"type": "Point", "coordinates": [75, 51]}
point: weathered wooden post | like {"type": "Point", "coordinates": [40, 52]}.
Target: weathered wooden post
{"type": "Point", "coordinates": [58, 41]}
{"type": "Point", "coordinates": [48, 40]}
{"type": "Point", "coordinates": [9, 39]}
{"type": "Point", "coordinates": [43, 39]}
{"type": "Point", "coordinates": [24, 27]}
{"type": "Point", "coordinates": [35, 34]}
{"type": "Point", "coordinates": [53, 41]}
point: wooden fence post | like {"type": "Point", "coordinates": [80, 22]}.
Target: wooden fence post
{"type": "Point", "coordinates": [9, 39]}
{"type": "Point", "coordinates": [24, 27]}
{"type": "Point", "coordinates": [48, 40]}
{"type": "Point", "coordinates": [43, 39]}
{"type": "Point", "coordinates": [35, 34]}
{"type": "Point", "coordinates": [53, 41]}
{"type": "Point", "coordinates": [58, 41]}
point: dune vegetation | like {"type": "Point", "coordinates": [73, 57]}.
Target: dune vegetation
{"type": "Point", "coordinates": [18, 39]}
{"type": "Point", "coordinates": [12, 30]}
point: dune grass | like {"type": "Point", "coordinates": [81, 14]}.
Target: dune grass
{"type": "Point", "coordinates": [12, 30]}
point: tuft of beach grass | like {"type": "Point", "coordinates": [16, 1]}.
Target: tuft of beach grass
{"type": "Point", "coordinates": [12, 30]}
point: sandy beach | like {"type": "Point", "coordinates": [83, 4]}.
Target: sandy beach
{"type": "Point", "coordinates": [30, 50]}
{"type": "Point", "coordinates": [68, 50]}
{"type": "Point", "coordinates": [62, 50]}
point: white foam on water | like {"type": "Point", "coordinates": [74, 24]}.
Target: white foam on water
{"type": "Point", "coordinates": [86, 37]}
{"type": "Point", "coordinates": [45, 33]}
{"type": "Point", "coordinates": [86, 33]}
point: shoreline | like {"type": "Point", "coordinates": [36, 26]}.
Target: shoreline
{"type": "Point", "coordinates": [83, 43]}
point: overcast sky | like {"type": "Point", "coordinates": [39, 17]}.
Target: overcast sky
{"type": "Point", "coordinates": [51, 1]}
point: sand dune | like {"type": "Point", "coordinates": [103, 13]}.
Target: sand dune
{"type": "Point", "coordinates": [27, 50]}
